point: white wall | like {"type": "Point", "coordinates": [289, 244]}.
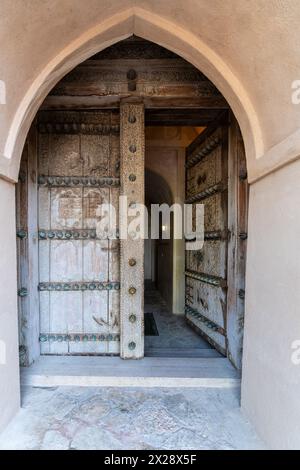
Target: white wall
{"type": "Point", "coordinates": [271, 382]}
{"type": "Point", "coordinates": [9, 365]}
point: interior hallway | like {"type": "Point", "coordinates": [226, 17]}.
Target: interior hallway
{"type": "Point", "coordinates": [175, 337]}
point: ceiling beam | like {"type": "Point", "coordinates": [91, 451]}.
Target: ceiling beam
{"type": "Point", "coordinates": [113, 102]}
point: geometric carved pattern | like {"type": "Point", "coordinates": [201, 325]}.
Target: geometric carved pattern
{"type": "Point", "coordinates": [203, 152]}
{"type": "Point", "coordinates": [216, 188]}
{"type": "Point", "coordinates": [76, 128]}
{"type": "Point", "coordinates": [132, 148]}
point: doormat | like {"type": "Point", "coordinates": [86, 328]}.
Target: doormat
{"type": "Point", "coordinates": [150, 325]}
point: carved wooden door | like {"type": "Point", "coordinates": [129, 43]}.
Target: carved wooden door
{"type": "Point", "coordinates": [206, 269]}
{"type": "Point", "coordinates": [78, 158]}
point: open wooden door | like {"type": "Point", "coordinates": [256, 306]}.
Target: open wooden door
{"type": "Point", "coordinates": [215, 275]}
{"type": "Point", "coordinates": [80, 290]}
{"type": "Point", "coordinates": [206, 269]}
{"type": "Point", "coordinates": [78, 167]}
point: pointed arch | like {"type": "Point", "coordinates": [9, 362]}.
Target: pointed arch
{"type": "Point", "coordinates": [154, 28]}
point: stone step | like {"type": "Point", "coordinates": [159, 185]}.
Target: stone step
{"type": "Point", "coordinates": [181, 352]}
{"type": "Point", "coordinates": [92, 371]}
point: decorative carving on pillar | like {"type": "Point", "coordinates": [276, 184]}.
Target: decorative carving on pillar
{"type": "Point", "coordinates": [132, 249]}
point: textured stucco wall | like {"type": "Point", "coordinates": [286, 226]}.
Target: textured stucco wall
{"type": "Point", "coordinates": [271, 381]}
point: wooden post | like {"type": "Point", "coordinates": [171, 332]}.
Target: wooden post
{"type": "Point", "coordinates": [237, 224]}
{"type": "Point", "coordinates": [27, 245]}
{"type": "Point", "coordinates": [132, 150]}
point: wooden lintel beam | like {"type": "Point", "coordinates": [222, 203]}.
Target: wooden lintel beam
{"type": "Point", "coordinates": [179, 122]}
{"type": "Point", "coordinates": [113, 101]}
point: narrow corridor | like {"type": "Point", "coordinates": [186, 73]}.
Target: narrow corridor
{"type": "Point", "coordinates": [175, 337]}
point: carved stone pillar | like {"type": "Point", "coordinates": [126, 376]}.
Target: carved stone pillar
{"type": "Point", "coordinates": [132, 146]}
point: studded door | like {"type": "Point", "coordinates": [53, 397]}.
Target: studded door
{"type": "Point", "coordinates": [206, 269]}
{"type": "Point", "coordinates": [78, 158]}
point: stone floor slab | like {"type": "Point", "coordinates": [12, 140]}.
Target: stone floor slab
{"type": "Point", "coordinates": [114, 419]}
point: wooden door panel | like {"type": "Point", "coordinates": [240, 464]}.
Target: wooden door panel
{"type": "Point", "coordinates": [44, 214]}
{"type": "Point", "coordinates": [95, 307]}
{"type": "Point", "coordinates": [44, 313]}
{"type": "Point", "coordinates": [96, 262]}
{"type": "Point", "coordinates": [65, 312]}
{"type": "Point", "coordinates": [213, 213]}
{"type": "Point", "coordinates": [43, 153]}
{"type": "Point", "coordinates": [93, 147]}
{"type": "Point", "coordinates": [44, 261]}
{"type": "Point", "coordinates": [86, 347]}
{"type": "Point", "coordinates": [206, 269]}
{"type": "Point", "coordinates": [65, 260]}
{"type": "Point", "coordinates": [114, 256]}
{"type": "Point", "coordinates": [91, 200]}
{"type": "Point", "coordinates": [79, 273]}
{"type": "Point", "coordinates": [208, 300]}
{"type": "Point", "coordinates": [65, 156]}
{"type": "Point", "coordinates": [114, 307]}
{"type": "Point", "coordinates": [65, 209]}
{"type": "Point", "coordinates": [114, 160]}
{"type": "Point", "coordinates": [206, 330]}
{"type": "Point", "coordinates": [211, 260]}
{"type": "Point", "coordinates": [206, 173]}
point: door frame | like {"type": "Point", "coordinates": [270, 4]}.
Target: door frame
{"type": "Point", "coordinates": [28, 248]}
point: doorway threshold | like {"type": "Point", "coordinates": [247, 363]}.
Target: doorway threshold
{"type": "Point", "coordinates": [105, 371]}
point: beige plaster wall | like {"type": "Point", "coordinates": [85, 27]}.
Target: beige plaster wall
{"type": "Point", "coordinates": [271, 382]}
{"type": "Point", "coordinates": [9, 357]}
{"type": "Point", "coordinates": [250, 50]}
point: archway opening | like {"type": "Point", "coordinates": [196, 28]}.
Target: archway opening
{"type": "Point", "coordinates": [75, 159]}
